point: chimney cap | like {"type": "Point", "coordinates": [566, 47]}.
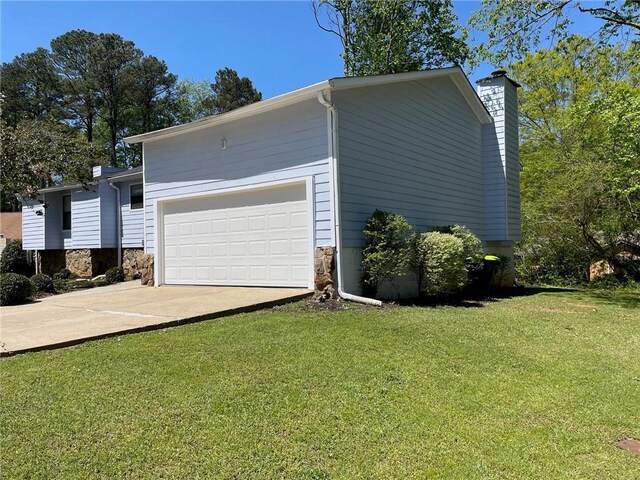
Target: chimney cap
{"type": "Point", "coordinates": [500, 72]}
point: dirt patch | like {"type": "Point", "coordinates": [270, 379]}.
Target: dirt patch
{"type": "Point", "coordinates": [630, 444]}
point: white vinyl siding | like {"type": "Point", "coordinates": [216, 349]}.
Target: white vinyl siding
{"type": "Point", "coordinates": [501, 159]}
{"type": "Point", "coordinates": [412, 149]}
{"type": "Point", "coordinates": [32, 225]}
{"type": "Point", "coordinates": [288, 143]}
{"type": "Point", "coordinates": [85, 218]}
{"type": "Point", "coordinates": [132, 219]}
{"type": "Point", "coordinates": [251, 238]}
{"type": "Point", "coordinates": [108, 216]}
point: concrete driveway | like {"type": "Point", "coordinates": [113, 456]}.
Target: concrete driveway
{"type": "Point", "coordinates": [72, 318]}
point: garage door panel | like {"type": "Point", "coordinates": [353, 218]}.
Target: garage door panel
{"type": "Point", "coordinates": [236, 241]}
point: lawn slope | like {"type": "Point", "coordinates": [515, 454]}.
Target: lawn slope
{"type": "Point", "coordinates": [539, 386]}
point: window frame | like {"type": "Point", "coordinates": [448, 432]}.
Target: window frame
{"type": "Point", "coordinates": [141, 203]}
{"type": "Point", "coordinates": [64, 212]}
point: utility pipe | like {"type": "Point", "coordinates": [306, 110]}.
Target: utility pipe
{"type": "Point", "coordinates": [333, 114]}
{"type": "Point", "coordinates": [118, 221]}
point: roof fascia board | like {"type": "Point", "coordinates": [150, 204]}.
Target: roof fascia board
{"type": "Point", "coordinates": [253, 109]}
{"type": "Point", "coordinates": [342, 83]}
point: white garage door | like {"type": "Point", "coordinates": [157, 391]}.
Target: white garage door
{"type": "Point", "coordinates": [255, 238]}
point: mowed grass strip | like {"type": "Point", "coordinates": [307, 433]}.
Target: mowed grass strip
{"type": "Point", "coordinates": [539, 386]}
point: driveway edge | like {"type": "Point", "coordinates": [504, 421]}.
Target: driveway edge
{"type": "Point", "coordinates": [160, 326]}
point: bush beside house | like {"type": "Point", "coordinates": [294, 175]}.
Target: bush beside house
{"type": "Point", "coordinates": [14, 289]}
{"type": "Point", "coordinates": [443, 261]}
{"type": "Point", "coordinates": [14, 260]}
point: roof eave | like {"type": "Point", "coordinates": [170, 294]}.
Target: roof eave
{"type": "Point", "coordinates": [290, 98]}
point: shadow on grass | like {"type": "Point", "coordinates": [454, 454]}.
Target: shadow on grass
{"type": "Point", "coordinates": [475, 299]}
{"type": "Point", "coordinates": [624, 299]}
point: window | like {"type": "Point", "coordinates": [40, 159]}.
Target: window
{"type": "Point", "coordinates": [66, 212]}
{"type": "Point", "coordinates": [137, 196]}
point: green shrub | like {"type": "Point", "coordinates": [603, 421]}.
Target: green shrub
{"type": "Point", "coordinates": [384, 257]}
{"type": "Point", "coordinates": [60, 285]}
{"type": "Point", "coordinates": [100, 282]}
{"type": "Point", "coordinates": [14, 260]}
{"type": "Point", "coordinates": [80, 284]}
{"type": "Point", "coordinates": [438, 260]}
{"type": "Point", "coordinates": [63, 274]}
{"type": "Point", "coordinates": [472, 246]}
{"type": "Point", "coordinates": [42, 283]}
{"type": "Point", "coordinates": [14, 288]}
{"type": "Point", "coordinates": [114, 275]}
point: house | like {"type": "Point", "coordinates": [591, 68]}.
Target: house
{"type": "Point", "coordinates": [84, 226]}
{"type": "Point", "coordinates": [10, 228]}
{"type": "Point", "coordinates": [277, 193]}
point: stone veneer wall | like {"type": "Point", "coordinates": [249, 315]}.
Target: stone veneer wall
{"type": "Point", "coordinates": [79, 262]}
{"type": "Point", "coordinates": [324, 269]}
{"type": "Point", "coordinates": [131, 261]}
{"type": "Point", "coordinates": [145, 266]}
{"type": "Point", "coordinates": [88, 263]}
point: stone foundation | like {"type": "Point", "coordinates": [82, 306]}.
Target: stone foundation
{"type": "Point", "coordinates": [324, 269]}
{"type": "Point", "coordinates": [88, 263]}
{"type": "Point", "coordinates": [131, 261]}
{"type": "Point", "coordinates": [145, 266]}
{"type": "Point", "coordinates": [79, 263]}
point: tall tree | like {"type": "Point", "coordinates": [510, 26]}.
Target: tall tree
{"type": "Point", "coordinates": [230, 91]}
{"type": "Point", "coordinates": [193, 100]}
{"type": "Point", "coordinates": [29, 87]}
{"type": "Point", "coordinates": [380, 37]}
{"type": "Point", "coordinates": [71, 58]}
{"type": "Point", "coordinates": [514, 28]}
{"type": "Point", "coordinates": [152, 96]}
{"type": "Point", "coordinates": [112, 68]}
{"type": "Point", "coordinates": [580, 127]}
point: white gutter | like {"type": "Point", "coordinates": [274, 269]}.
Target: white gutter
{"type": "Point", "coordinates": [119, 221]}
{"type": "Point", "coordinates": [336, 205]}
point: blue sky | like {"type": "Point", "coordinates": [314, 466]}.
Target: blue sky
{"type": "Point", "coordinates": [276, 44]}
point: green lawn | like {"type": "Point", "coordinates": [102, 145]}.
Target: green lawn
{"type": "Point", "coordinates": [539, 386]}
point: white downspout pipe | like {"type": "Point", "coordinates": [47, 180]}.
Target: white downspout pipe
{"type": "Point", "coordinates": [336, 205]}
{"type": "Point", "coordinates": [118, 221]}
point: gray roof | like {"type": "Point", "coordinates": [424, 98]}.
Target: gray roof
{"type": "Point", "coordinates": [124, 175]}
{"type": "Point", "coordinates": [132, 172]}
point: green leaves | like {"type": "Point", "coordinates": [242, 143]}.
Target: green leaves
{"type": "Point", "coordinates": [380, 37]}
{"type": "Point", "coordinates": [385, 254]}
{"type": "Point", "coordinates": [515, 28]}
{"type": "Point", "coordinates": [580, 130]}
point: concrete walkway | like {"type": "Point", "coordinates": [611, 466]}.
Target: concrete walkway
{"type": "Point", "coordinates": [73, 318]}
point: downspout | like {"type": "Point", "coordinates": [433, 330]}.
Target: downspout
{"type": "Point", "coordinates": [336, 205]}
{"type": "Point", "coordinates": [118, 221]}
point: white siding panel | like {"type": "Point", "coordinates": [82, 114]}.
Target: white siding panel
{"type": "Point", "coordinates": [32, 225]}
{"type": "Point", "coordinates": [85, 218]}
{"type": "Point", "coordinates": [289, 143]}
{"type": "Point", "coordinates": [501, 158]}
{"type": "Point", "coordinates": [132, 220]}
{"type": "Point", "coordinates": [108, 216]}
{"type": "Point", "coordinates": [413, 149]}
{"type": "Point", "coordinates": [55, 238]}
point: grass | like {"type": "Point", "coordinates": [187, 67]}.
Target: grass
{"type": "Point", "coordinates": [539, 386]}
